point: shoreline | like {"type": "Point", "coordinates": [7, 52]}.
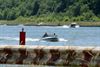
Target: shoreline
{"type": "Point", "coordinates": [80, 23]}
{"type": "Point", "coordinates": [44, 25]}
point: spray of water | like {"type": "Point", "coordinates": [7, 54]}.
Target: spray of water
{"type": "Point", "coordinates": [27, 39]}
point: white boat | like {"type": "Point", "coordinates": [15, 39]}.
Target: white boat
{"type": "Point", "coordinates": [74, 25]}
{"type": "Point", "coordinates": [51, 38]}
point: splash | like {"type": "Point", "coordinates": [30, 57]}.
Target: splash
{"type": "Point", "coordinates": [27, 39]}
{"type": "Point", "coordinates": [62, 40]}
{"type": "Point", "coordinates": [16, 39]}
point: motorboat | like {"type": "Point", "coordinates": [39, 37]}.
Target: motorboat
{"type": "Point", "coordinates": [50, 38]}
{"type": "Point", "coordinates": [74, 25]}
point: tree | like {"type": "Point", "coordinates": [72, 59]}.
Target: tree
{"type": "Point", "coordinates": [35, 8]}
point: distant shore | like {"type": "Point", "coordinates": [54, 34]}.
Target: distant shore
{"type": "Point", "coordinates": [82, 24]}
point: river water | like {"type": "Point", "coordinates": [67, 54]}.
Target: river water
{"type": "Point", "coordinates": [82, 36]}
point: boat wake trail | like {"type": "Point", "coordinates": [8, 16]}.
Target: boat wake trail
{"type": "Point", "coordinates": [62, 40]}
{"type": "Point", "coordinates": [27, 39]}
{"type": "Point", "coordinates": [16, 39]}
{"type": "Point", "coordinates": [8, 38]}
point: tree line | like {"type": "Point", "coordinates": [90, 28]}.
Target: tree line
{"type": "Point", "coordinates": [77, 10]}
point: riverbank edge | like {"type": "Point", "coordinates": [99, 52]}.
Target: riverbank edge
{"type": "Point", "coordinates": [81, 24]}
{"type": "Point", "coordinates": [78, 54]}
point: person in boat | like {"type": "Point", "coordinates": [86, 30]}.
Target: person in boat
{"type": "Point", "coordinates": [55, 35]}
{"type": "Point", "coordinates": [45, 35]}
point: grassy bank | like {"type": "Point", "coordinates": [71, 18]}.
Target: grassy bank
{"type": "Point", "coordinates": [52, 20]}
{"type": "Point", "coordinates": [87, 24]}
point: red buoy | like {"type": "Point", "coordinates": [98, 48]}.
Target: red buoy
{"type": "Point", "coordinates": [22, 37]}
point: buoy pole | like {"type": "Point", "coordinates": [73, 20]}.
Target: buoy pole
{"type": "Point", "coordinates": [22, 37]}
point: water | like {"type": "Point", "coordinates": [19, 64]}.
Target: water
{"type": "Point", "coordinates": [83, 36]}
{"type": "Point", "coordinates": [13, 65]}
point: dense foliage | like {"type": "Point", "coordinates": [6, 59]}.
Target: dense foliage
{"type": "Point", "coordinates": [50, 10]}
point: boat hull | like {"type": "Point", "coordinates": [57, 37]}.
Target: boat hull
{"type": "Point", "coordinates": [51, 39]}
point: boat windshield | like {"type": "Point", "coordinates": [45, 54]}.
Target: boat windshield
{"type": "Point", "coordinates": [48, 35]}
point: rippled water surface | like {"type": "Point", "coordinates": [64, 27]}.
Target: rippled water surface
{"type": "Point", "coordinates": [9, 65]}
{"type": "Point", "coordinates": [82, 36]}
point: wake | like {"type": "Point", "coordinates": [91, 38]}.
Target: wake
{"type": "Point", "coordinates": [28, 39]}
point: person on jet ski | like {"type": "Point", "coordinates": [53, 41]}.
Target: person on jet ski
{"type": "Point", "coordinates": [45, 35]}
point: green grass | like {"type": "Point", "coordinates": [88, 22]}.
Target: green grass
{"type": "Point", "coordinates": [48, 20]}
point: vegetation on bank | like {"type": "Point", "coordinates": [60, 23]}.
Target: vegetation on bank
{"type": "Point", "coordinates": [87, 24]}
{"type": "Point", "coordinates": [57, 12]}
